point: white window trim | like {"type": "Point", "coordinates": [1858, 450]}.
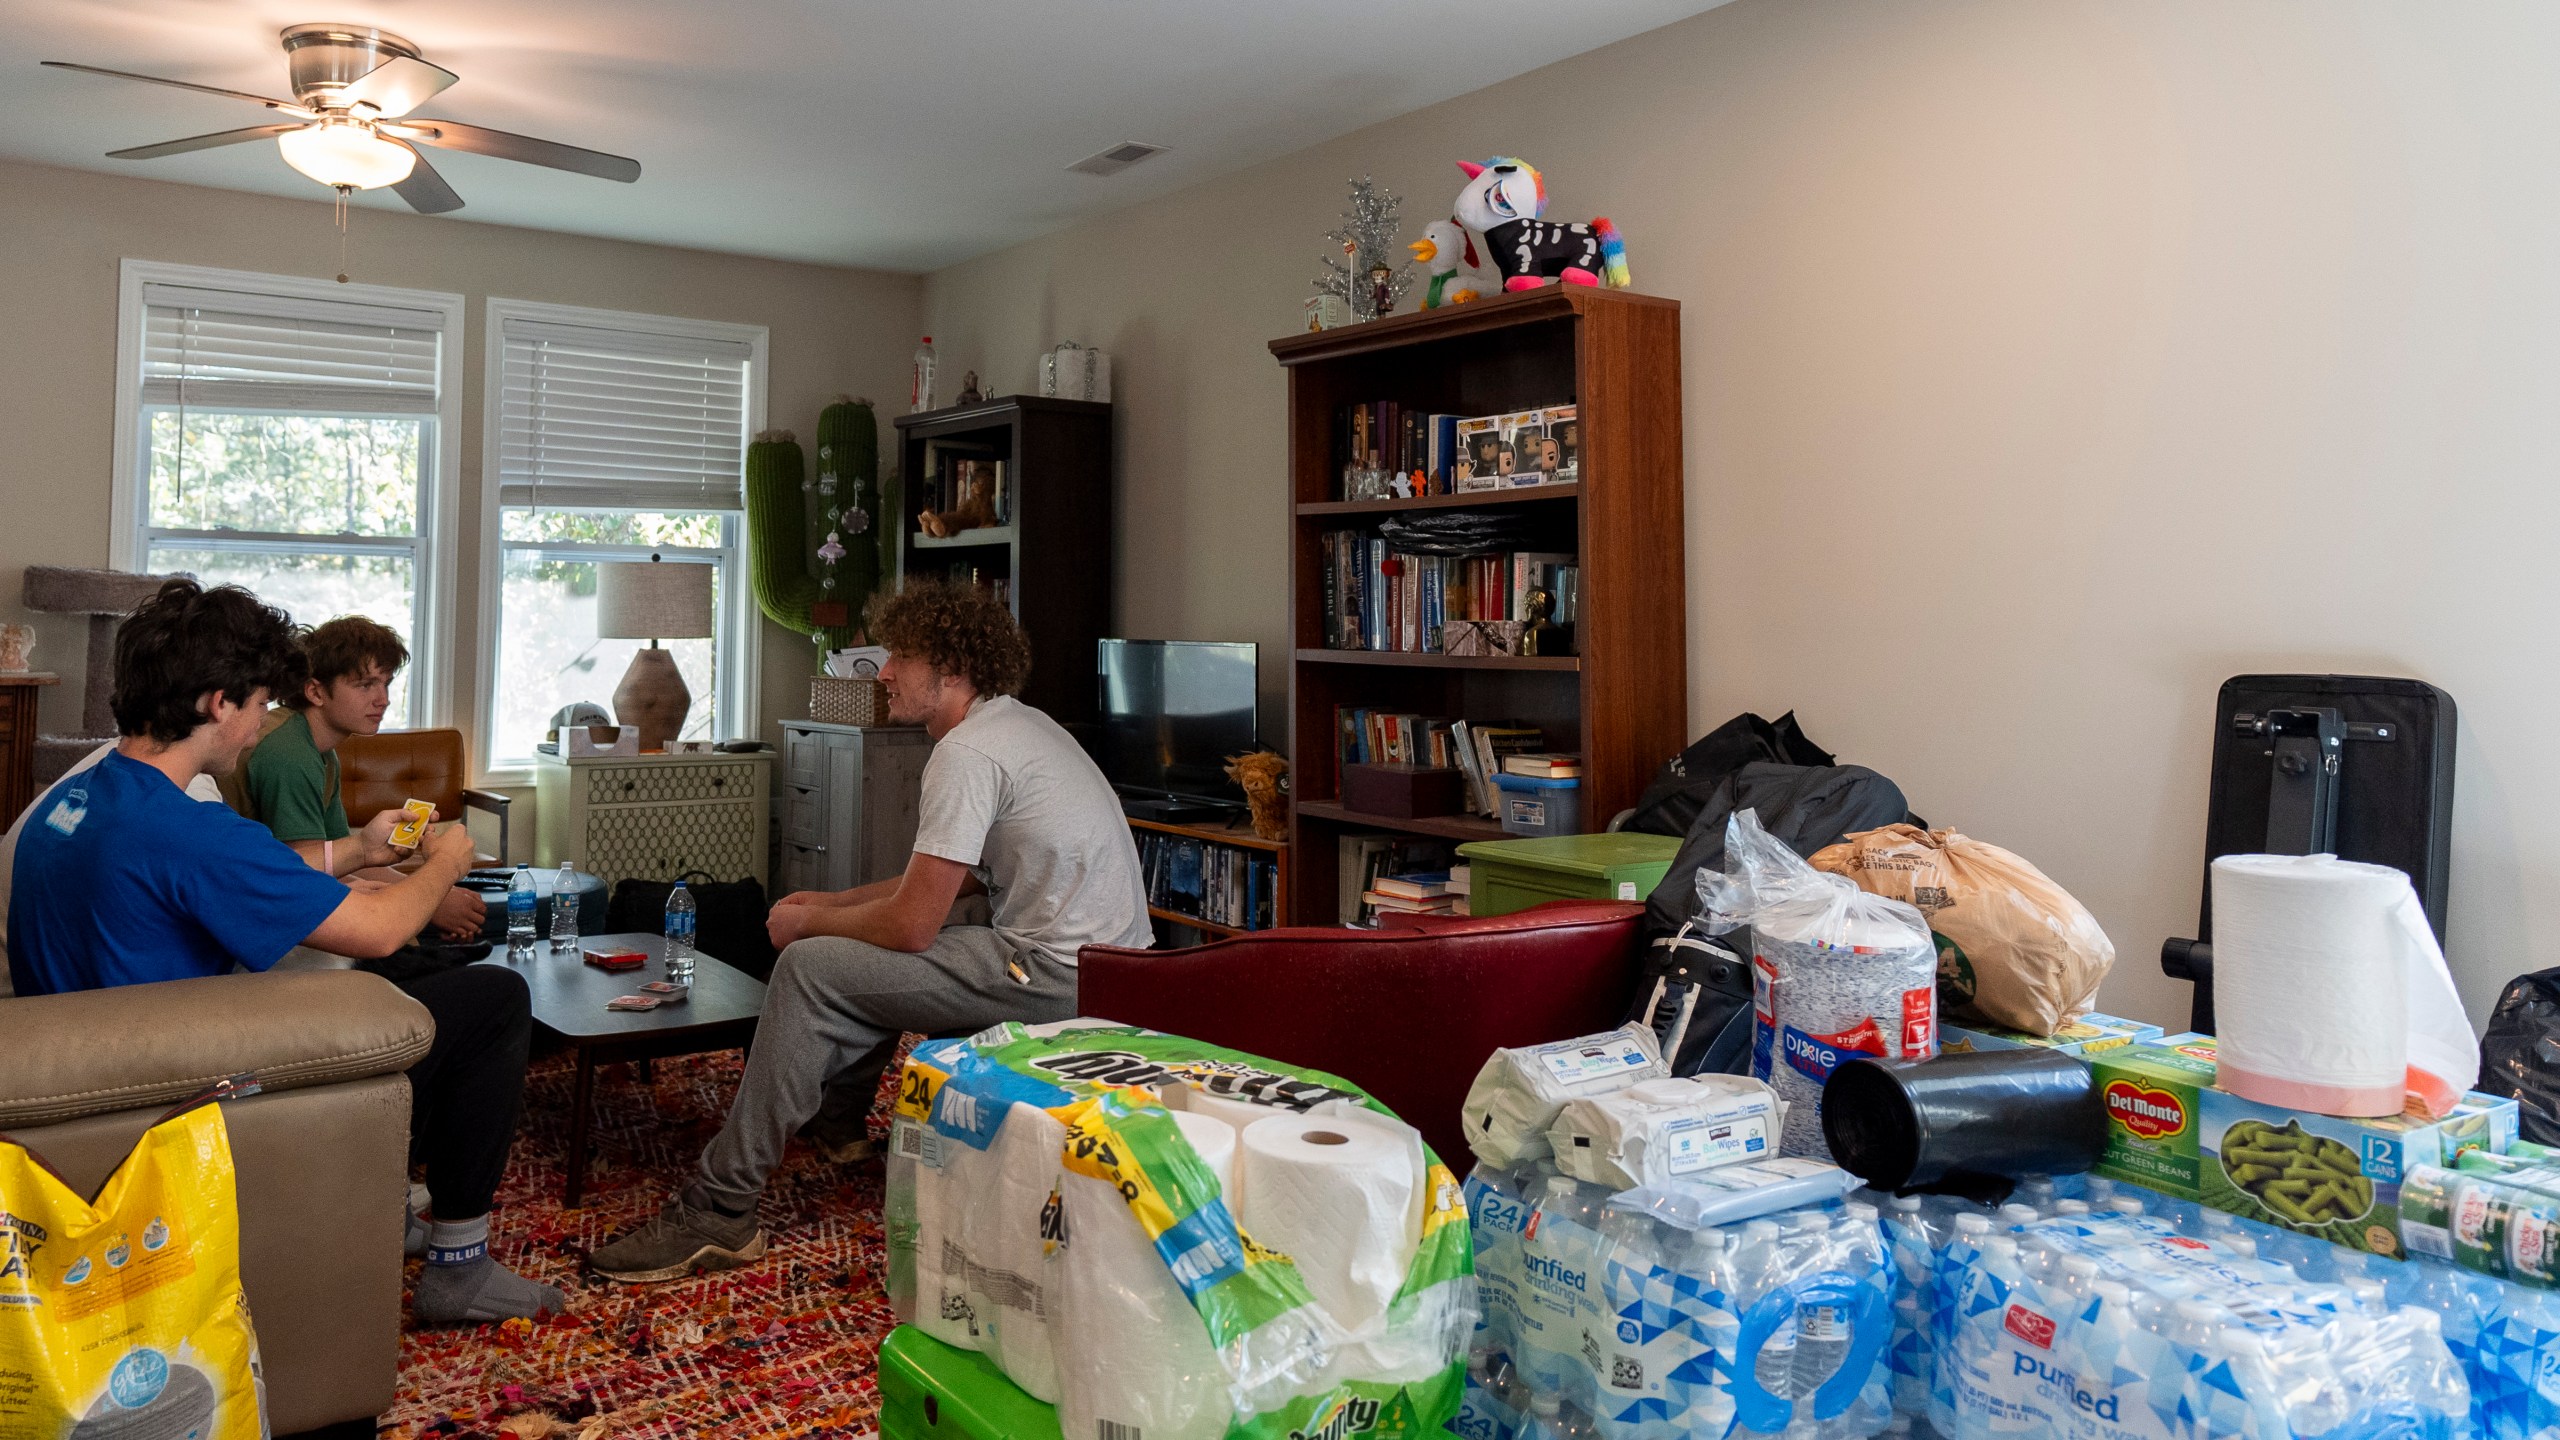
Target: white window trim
{"type": "Point", "coordinates": [431, 671]}
{"type": "Point", "coordinates": [741, 633]}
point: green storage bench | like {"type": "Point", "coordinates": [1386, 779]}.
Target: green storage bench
{"type": "Point", "coordinates": [1508, 875]}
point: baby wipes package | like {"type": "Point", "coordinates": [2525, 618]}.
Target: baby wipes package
{"type": "Point", "coordinates": [1155, 1307]}
{"type": "Point", "coordinates": [1519, 1092]}
{"type": "Point", "coordinates": [1662, 1130]}
{"type": "Point", "coordinates": [124, 1316]}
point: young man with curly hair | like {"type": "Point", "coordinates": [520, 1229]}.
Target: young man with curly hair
{"type": "Point", "coordinates": [122, 877]}
{"type": "Point", "coordinates": [1022, 858]}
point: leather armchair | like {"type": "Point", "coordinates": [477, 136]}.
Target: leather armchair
{"type": "Point", "coordinates": [1408, 1014]}
{"type": "Point", "coordinates": [379, 772]}
{"type": "Point", "coordinates": [322, 1153]}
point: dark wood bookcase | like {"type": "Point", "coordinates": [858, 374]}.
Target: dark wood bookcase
{"type": "Point", "coordinates": [1621, 702]}
{"type": "Point", "coordinates": [1055, 550]}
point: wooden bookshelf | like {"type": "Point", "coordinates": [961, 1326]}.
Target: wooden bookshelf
{"type": "Point", "coordinates": [1621, 702]}
{"type": "Point", "coordinates": [1240, 835]}
{"type": "Point", "coordinates": [1055, 553]}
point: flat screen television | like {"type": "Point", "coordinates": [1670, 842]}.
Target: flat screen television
{"type": "Point", "coordinates": [1172, 712]}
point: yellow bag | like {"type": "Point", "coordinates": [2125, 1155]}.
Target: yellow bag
{"type": "Point", "coordinates": [125, 1317]}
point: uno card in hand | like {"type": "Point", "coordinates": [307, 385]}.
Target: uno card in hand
{"type": "Point", "coordinates": [667, 991]}
{"type": "Point", "coordinates": [414, 815]}
{"type": "Point", "coordinates": [632, 1002]}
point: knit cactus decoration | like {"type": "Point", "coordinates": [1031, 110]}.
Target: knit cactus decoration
{"type": "Point", "coordinates": [781, 563]}
{"type": "Point", "coordinates": [849, 495]}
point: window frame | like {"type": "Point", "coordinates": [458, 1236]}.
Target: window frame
{"type": "Point", "coordinates": [431, 671]}
{"type": "Point", "coordinates": [741, 634]}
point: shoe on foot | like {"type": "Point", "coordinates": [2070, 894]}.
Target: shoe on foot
{"type": "Point", "coordinates": [480, 1292]}
{"type": "Point", "coordinates": [846, 1152]}
{"type": "Point", "coordinates": [688, 1237]}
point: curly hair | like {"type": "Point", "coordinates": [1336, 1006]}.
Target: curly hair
{"type": "Point", "coordinates": [957, 629]}
{"type": "Point", "coordinates": [187, 640]}
{"type": "Point", "coordinates": [340, 649]}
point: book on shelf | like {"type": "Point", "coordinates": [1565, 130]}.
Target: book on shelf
{"type": "Point", "coordinates": [1543, 766]}
{"type": "Point", "coordinates": [1363, 736]}
{"type": "Point", "coordinates": [1376, 901]}
{"type": "Point", "coordinates": [1385, 435]}
{"type": "Point", "coordinates": [1231, 885]}
{"type": "Point", "coordinates": [1376, 598]}
{"type": "Point", "coordinates": [1492, 746]}
{"type": "Point", "coordinates": [1462, 880]}
{"type": "Point", "coordinates": [1365, 859]}
{"type": "Point", "coordinates": [1420, 885]}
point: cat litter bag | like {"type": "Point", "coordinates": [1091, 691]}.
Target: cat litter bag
{"type": "Point", "coordinates": [1520, 1091]}
{"type": "Point", "coordinates": [1835, 972]}
{"type": "Point", "coordinates": [123, 1316]}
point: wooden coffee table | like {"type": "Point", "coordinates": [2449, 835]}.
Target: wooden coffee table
{"type": "Point", "coordinates": [568, 1009]}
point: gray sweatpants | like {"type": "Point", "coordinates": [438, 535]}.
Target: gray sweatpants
{"type": "Point", "coordinates": [833, 1012]}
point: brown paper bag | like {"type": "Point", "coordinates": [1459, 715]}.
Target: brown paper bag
{"type": "Point", "coordinates": [2014, 949]}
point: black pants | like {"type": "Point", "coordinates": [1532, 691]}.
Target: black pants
{"type": "Point", "coordinates": [465, 1094]}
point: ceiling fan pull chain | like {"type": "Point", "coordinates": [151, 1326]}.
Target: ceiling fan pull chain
{"type": "Point", "coordinates": [342, 233]}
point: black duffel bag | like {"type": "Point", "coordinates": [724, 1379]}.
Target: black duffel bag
{"type": "Point", "coordinates": [728, 918]}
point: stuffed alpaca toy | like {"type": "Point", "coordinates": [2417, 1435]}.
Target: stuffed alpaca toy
{"type": "Point", "coordinates": [1502, 202]}
{"type": "Point", "coordinates": [977, 507]}
{"type": "Point", "coordinates": [1264, 777]}
{"type": "Point", "coordinates": [1448, 255]}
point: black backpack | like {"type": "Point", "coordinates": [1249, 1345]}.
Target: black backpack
{"type": "Point", "coordinates": [728, 918]}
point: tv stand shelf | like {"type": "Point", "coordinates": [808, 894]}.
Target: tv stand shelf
{"type": "Point", "coordinates": [1238, 834]}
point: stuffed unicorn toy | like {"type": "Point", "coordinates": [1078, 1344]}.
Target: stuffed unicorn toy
{"type": "Point", "coordinates": [1502, 202]}
{"type": "Point", "coordinates": [1448, 256]}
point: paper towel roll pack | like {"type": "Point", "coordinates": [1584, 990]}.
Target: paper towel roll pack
{"type": "Point", "coordinates": [1099, 1235]}
{"type": "Point", "coordinates": [1663, 1130]}
{"type": "Point", "coordinates": [1518, 1093]}
{"type": "Point", "coordinates": [2330, 993]}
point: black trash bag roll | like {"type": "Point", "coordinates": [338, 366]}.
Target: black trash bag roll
{"type": "Point", "coordinates": [1906, 1124]}
{"type": "Point", "coordinates": [2520, 1055]}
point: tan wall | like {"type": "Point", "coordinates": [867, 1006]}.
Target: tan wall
{"type": "Point", "coordinates": [2047, 362]}
{"type": "Point", "coordinates": [63, 233]}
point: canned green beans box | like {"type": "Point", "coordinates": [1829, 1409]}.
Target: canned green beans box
{"type": "Point", "coordinates": [2168, 1127]}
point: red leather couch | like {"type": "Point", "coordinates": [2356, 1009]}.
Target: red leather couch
{"type": "Point", "coordinates": [1408, 1014]}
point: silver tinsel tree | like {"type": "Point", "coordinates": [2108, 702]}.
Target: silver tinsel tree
{"type": "Point", "coordinates": [1364, 240]}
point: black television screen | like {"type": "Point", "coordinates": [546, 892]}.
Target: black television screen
{"type": "Point", "coordinates": [1172, 712]}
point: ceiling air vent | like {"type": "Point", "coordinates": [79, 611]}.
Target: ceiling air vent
{"type": "Point", "coordinates": [1116, 159]}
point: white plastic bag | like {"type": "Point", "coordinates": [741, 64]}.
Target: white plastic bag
{"type": "Point", "coordinates": [1835, 972]}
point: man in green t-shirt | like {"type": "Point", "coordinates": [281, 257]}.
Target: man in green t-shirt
{"type": "Point", "coordinates": [289, 782]}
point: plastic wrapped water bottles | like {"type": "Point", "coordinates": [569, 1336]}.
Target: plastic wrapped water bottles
{"type": "Point", "coordinates": [1767, 1326]}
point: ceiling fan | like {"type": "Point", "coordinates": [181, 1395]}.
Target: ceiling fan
{"type": "Point", "coordinates": [353, 89]}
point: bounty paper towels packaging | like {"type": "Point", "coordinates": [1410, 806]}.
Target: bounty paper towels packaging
{"type": "Point", "coordinates": [1663, 1130]}
{"type": "Point", "coordinates": [1517, 1094]}
{"type": "Point", "coordinates": [1162, 1318]}
{"type": "Point", "coordinates": [2330, 990]}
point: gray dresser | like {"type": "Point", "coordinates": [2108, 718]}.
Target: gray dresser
{"type": "Point", "coordinates": [848, 803]}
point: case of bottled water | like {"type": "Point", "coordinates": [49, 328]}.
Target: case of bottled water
{"type": "Point", "coordinates": [1608, 1321]}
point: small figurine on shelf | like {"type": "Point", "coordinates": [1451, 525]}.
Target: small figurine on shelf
{"type": "Point", "coordinates": [1503, 199]}
{"type": "Point", "coordinates": [1543, 635]}
{"type": "Point", "coordinates": [969, 389]}
{"type": "Point", "coordinates": [1382, 295]}
{"type": "Point", "coordinates": [1263, 775]}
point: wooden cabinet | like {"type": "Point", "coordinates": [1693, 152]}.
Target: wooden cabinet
{"type": "Point", "coordinates": [18, 742]}
{"type": "Point", "coordinates": [653, 817]}
{"type": "Point", "coordinates": [1621, 700]}
{"type": "Point", "coordinates": [849, 796]}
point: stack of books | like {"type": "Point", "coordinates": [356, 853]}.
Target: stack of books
{"type": "Point", "coordinates": [1366, 860]}
{"type": "Point", "coordinates": [1543, 766]}
{"type": "Point", "coordinates": [1424, 892]}
{"type": "Point", "coordinates": [1376, 598]}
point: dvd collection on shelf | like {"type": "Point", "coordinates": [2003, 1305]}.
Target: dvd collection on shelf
{"type": "Point", "coordinates": [1229, 885]}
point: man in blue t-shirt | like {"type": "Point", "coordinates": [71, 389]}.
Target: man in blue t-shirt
{"type": "Point", "coordinates": [122, 878]}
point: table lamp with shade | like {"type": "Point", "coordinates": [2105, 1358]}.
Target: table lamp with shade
{"type": "Point", "coordinates": [653, 602]}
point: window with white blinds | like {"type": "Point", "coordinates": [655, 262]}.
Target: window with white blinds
{"type": "Point", "coordinates": [293, 437]}
{"type": "Point", "coordinates": [611, 438]}
{"type": "Point", "coordinates": [591, 418]}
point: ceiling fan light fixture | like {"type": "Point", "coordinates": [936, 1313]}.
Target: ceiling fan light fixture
{"type": "Point", "coordinates": [336, 152]}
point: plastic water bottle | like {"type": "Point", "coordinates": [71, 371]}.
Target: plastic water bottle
{"type": "Point", "coordinates": [564, 909]}
{"type": "Point", "coordinates": [679, 935]}
{"type": "Point", "coordinates": [1558, 1262]}
{"type": "Point", "coordinates": [1633, 1282]}
{"type": "Point", "coordinates": [1497, 1212]}
{"type": "Point", "coordinates": [920, 389]}
{"type": "Point", "coordinates": [1759, 1267]}
{"type": "Point", "coordinates": [521, 899]}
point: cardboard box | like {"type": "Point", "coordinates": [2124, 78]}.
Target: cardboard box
{"type": "Point", "coordinates": [2167, 1126]}
{"type": "Point", "coordinates": [2085, 1036]}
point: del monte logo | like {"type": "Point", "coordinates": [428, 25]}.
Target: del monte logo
{"type": "Point", "coordinates": [2145, 1112]}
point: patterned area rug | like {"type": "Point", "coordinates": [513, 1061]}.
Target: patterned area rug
{"type": "Point", "coordinates": [785, 1348]}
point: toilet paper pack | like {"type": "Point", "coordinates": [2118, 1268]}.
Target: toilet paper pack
{"type": "Point", "coordinates": [1288, 1363]}
{"type": "Point", "coordinates": [1518, 1093]}
{"type": "Point", "coordinates": [1664, 1130]}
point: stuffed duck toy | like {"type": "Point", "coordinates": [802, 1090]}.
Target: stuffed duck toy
{"type": "Point", "coordinates": [1448, 256]}
{"type": "Point", "coordinates": [1503, 201]}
